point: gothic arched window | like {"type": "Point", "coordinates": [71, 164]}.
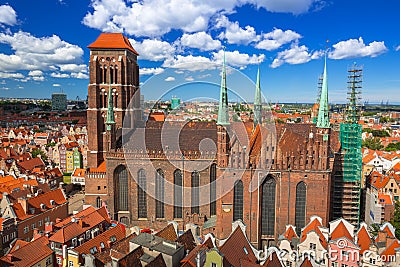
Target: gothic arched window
{"type": "Point", "coordinates": [238, 201]}
{"type": "Point", "coordinates": [121, 175]}
{"type": "Point", "coordinates": [268, 206]}
{"type": "Point", "coordinates": [98, 202]}
{"type": "Point", "coordinates": [195, 192]}
{"type": "Point", "coordinates": [301, 198]}
{"type": "Point", "coordinates": [142, 196]}
{"type": "Point", "coordinates": [159, 194]}
{"type": "Point", "coordinates": [213, 189]}
{"type": "Point", "coordinates": [178, 194]}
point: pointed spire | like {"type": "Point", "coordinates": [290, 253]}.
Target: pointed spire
{"type": "Point", "coordinates": [323, 111]}
{"type": "Point", "coordinates": [257, 100]}
{"type": "Point", "coordinates": [110, 110]}
{"type": "Point", "coordinates": [223, 116]}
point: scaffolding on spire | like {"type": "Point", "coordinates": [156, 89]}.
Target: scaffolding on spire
{"type": "Point", "coordinates": [351, 142]}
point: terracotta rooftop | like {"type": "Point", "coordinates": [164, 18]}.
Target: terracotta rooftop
{"type": "Point", "coordinates": [363, 238]}
{"type": "Point", "coordinates": [313, 226]}
{"type": "Point", "coordinates": [273, 261]}
{"type": "Point", "coordinates": [112, 41]}
{"type": "Point", "coordinates": [187, 240]}
{"type": "Point", "coordinates": [290, 233]}
{"type": "Point", "coordinates": [341, 231]}
{"type": "Point", "coordinates": [30, 254]}
{"type": "Point", "coordinates": [390, 250]}
{"type": "Point", "coordinates": [237, 248]}
{"type": "Point", "coordinates": [102, 241]}
{"type": "Point", "coordinates": [168, 233]}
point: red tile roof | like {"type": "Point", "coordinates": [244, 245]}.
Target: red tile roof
{"type": "Point", "coordinates": [237, 247]}
{"type": "Point", "coordinates": [385, 199]}
{"type": "Point", "coordinates": [363, 238]}
{"type": "Point", "coordinates": [168, 233]}
{"type": "Point", "coordinates": [340, 231]}
{"type": "Point", "coordinates": [313, 226]}
{"type": "Point", "coordinates": [79, 226]}
{"type": "Point", "coordinates": [290, 233]}
{"type": "Point", "coordinates": [30, 254]}
{"type": "Point", "coordinates": [391, 250]}
{"type": "Point", "coordinates": [102, 240]}
{"type": "Point", "coordinates": [112, 41]}
{"type": "Point", "coordinates": [273, 261]}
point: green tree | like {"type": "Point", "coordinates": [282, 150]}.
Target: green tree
{"type": "Point", "coordinates": [395, 221]}
{"type": "Point", "coordinates": [373, 143]}
{"type": "Point", "coordinates": [374, 229]}
{"type": "Point", "coordinates": [37, 152]}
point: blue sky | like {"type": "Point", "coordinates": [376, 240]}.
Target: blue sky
{"type": "Point", "coordinates": [43, 43]}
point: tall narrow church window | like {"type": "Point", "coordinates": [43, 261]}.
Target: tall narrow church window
{"type": "Point", "coordinates": [142, 197]}
{"type": "Point", "coordinates": [98, 202]}
{"type": "Point", "coordinates": [121, 175]}
{"type": "Point", "coordinates": [213, 190]}
{"type": "Point", "coordinates": [301, 198]}
{"type": "Point", "coordinates": [268, 206]}
{"type": "Point", "coordinates": [105, 74]}
{"type": "Point", "coordinates": [178, 194]}
{"type": "Point", "coordinates": [115, 74]}
{"type": "Point", "coordinates": [159, 194]}
{"type": "Point", "coordinates": [195, 192]}
{"type": "Point", "coordinates": [238, 201]}
{"type": "Point", "coordinates": [111, 75]}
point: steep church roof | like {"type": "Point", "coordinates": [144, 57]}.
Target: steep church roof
{"type": "Point", "coordinates": [112, 41]}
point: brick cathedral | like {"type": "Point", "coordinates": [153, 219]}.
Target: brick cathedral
{"type": "Point", "coordinates": [275, 175]}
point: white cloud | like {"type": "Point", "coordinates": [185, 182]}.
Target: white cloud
{"type": "Point", "coordinates": [237, 59]}
{"type": "Point", "coordinates": [201, 41]}
{"type": "Point", "coordinates": [36, 75]}
{"type": "Point", "coordinates": [153, 49]}
{"type": "Point", "coordinates": [45, 53]}
{"type": "Point", "coordinates": [79, 75]}
{"type": "Point", "coordinates": [275, 39]}
{"type": "Point", "coordinates": [353, 48]}
{"type": "Point", "coordinates": [8, 75]}
{"type": "Point", "coordinates": [398, 48]}
{"type": "Point", "coordinates": [170, 79]}
{"type": "Point", "coordinates": [154, 18]}
{"type": "Point", "coordinates": [151, 71]}
{"type": "Point", "coordinates": [189, 79]}
{"type": "Point", "coordinates": [4, 88]}
{"type": "Point", "coordinates": [288, 6]}
{"type": "Point", "coordinates": [190, 62]}
{"type": "Point", "coordinates": [234, 34]}
{"type": "Point", "coordinates": [59, 75]}
{"type": "Point", "coordinates": [294, 55]}
{"type": "Point", "coordinates": [56, 84]}
{"type": "Point", "coordinates": [8, 15]}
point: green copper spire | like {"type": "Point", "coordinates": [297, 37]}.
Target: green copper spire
{"type": "Point", "coordinates": [223, 115]}
{"type": "Point", "coordinates": [110, 110]}
{"type": "Point", "coordinates": [257, 101]}
{"type": "Point", "coordinates": [323, 112]}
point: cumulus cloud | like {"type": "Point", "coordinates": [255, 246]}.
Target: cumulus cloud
{"type": "Point", "coordinates": [234, 34]}
{"type": "Point", "coordinates": [7, 75]}
{"type": "Point", "coordinates": [288, 6]}
{"type": "Point", "coordinates": [190, 62]}
{"type": "Point", "coordinates": [8, 16]}
{"type": "Point", "coordinates": [170, 79]}
{"type": "Point", "coordinates": [151, 71]}
{"type": "Point", "coordinates": [200, 40]}
{"type": "Point", "coordinates": [196, 63]}
{"type": "Point", "coordinates": [45, 53]}
{"type": "Point", "coordinates": [154, 18]}
{"type": "Point", "coordinates": [153, 49]}
{"type": "Point", "coordinates": [398, 48]}
{"type": "Point", "coordinates": [59, 75]}
{"type": "Point", "coordinates": [36, 75]}
{"type": "Point", "coordinates": [275, 39]}
{"type": "Point", "coordinates": [295, 55]}
{"type": "Point", "coordinates": [353, 48]}
{"type": "Point", "coordinates": [56, 84]}
{"type": "Point", "coordinates": [237, 59]}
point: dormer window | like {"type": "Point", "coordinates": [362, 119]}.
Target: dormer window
{"type": "Point", "coordinates": [52, 202]}
{"type": "Point", "coordinates": [42, 206]}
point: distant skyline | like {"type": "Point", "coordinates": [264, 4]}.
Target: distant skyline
{"type": "Point", "coordinates": [43, 44]}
